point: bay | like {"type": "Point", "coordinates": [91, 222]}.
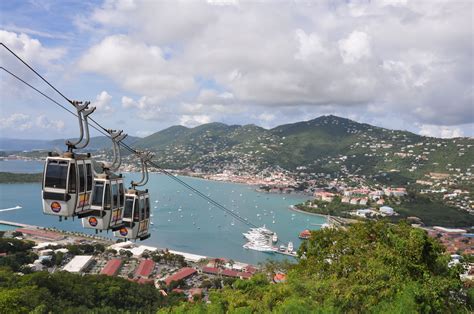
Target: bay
{"type": "Point", "coordinates": [183, 221]}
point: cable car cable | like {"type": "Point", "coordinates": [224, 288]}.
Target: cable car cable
{"type": "Point", "coordinates": [104, 132]}
{"type": "Point", "coordinates": [34, 71]}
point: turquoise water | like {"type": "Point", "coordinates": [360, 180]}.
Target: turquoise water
{"type": "Point", "coordinates": [213, 233]}
{"type": "Point", "coordinates": [7, 227]}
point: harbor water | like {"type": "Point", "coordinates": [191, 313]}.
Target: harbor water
{"type": "Point", "coordinates": [182, 221]}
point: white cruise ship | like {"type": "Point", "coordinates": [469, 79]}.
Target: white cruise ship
{"type": "Point", "coordinates": [260, 239]}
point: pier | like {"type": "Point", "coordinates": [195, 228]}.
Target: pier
{"type": "Point", "coordinates": [292, 254]}
{"type": "Point", "coordinates": [16, 224]}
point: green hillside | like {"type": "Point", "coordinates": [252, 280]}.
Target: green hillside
{"type": "Point", "coordinates": [328, 144]}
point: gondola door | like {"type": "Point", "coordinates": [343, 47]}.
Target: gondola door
{"type": "Point", "coordinates": [84, 185]}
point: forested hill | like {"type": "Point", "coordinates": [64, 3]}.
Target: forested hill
{"type": "Point", "coordinates": [372, 267]}
{"type": "Point", "coordinates": [326, 144]}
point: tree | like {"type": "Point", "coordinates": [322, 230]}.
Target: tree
{"type": "Point", "coordinates": [370, 267]}
{"type": "Point", "coordinates": [17, 234]}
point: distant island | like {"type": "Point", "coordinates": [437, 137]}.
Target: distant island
{"type": "Point", "coordinates": [10, 177]}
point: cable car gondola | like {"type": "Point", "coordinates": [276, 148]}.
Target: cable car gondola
{"type": "Point", "coordinates": [68, 177]}
{"type": "Point", "coordinates": [108, 195]}
{"type": "Point", "coordinates": [136, 213]}
{"type": "Point", "coordinates": [108, 198]}
{"type": "Point", "coordinates": [136, 216]}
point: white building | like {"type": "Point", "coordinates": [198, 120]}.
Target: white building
{"type": "Point", "coordinates": [78, 263]}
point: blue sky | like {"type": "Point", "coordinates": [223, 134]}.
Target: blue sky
{"type": "Point", "coordinates": [147, 65]}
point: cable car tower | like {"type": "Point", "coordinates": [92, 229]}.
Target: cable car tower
{"type": "Point", "coordinates": [68, 177]}
{"type": "Point", "coordinates": [136, 213]}
{"type": "Point", "coordinates": [108, 195]}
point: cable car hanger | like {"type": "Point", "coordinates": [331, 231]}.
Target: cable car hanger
{"type": "Point", "coordinates": [145, 157]}
{"type": "Point", "coordinates": [116, 137]}
{"type": "Point", "coordinates": [83, 112]}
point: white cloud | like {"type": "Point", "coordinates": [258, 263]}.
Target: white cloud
{"type": "Point", "coordinates": [355, 47]}
{"type": "Point", "coordinates": [266, 117]}
{"type": "Point", "coordinates": [103, 103]}
{"type": "Point", "coordinates": [137, 67]}
{"type": "Point", "coordinates": [28, 48]}
{"type": "Point", "coordinates": [308, 45]}
{"type": "Point", "coordinates": [192, 121]}
{"type": "Point", "coordinates": [45, 123]}
{"type": "Point", "coordinates": [24, 122]}
{"type": "Point", "coordinates": [440, 131]}
{"type": "Point", "coordinates": [128, 102]}
{"type": "Point", "coordinates": [410, 59]}
{"type": "Point", "coordinates": [16, 121]}
{"type": "Point", "coordinates": [143, 133]}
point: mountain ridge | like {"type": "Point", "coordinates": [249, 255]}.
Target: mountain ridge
{"type": "Point", "coordinates": [326, 144]}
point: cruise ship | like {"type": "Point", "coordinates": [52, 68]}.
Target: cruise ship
{"type": "Point", "coordinates": [260, 239]}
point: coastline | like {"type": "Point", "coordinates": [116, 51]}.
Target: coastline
{"type": "Point", "coordinates": [293, 207]}
{"type": "Point", "coordinates": [332, 220]}
{"type": "Point", "coordinates": [193, 257]}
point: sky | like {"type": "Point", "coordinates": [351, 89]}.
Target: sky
{"type": "Point", "coordinates": [148, 65]}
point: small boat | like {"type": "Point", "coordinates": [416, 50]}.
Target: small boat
{"type": "Point", "coordinates": [290, 246]}
{"type": "Point", "coordinates": [273, 221]}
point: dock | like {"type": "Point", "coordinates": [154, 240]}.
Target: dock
{"type": "Point", "coordinates": [292, 254]}
{"type": "Point", "coordinates": [16, 224]}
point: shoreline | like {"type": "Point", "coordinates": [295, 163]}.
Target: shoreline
{"type": "Point", "coordinates": [84, 236]}
{"type": "Point", "coordinates": [203, 176]}
{"type": "Point", "coordinates": [293, 207]}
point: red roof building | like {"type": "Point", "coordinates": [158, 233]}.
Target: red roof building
{"type": "Point", "coordinates": [226, 272]}
{"type": "Point", "coordinates": [210, 270]}
{"type": "Point", "coordinates": [181, 274]}
{"type": "Point", "coordinates": [112, 267]}
{"type": "Point", "coordinates": [250, 269]}
{"type": "Point", "coordinates": [145, 268]}
{"type": "Point", "coordinates": [229, 273]}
